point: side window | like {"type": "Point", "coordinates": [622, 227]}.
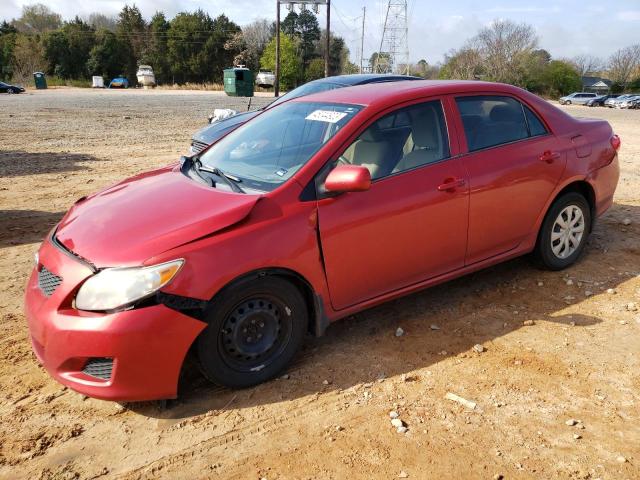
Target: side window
{"type": "Point", "coordinates": [536, 127]}
{"type": "Point", "coordinates": [401, 140]}
{"type": "Point", "coordinates": [492, 120]}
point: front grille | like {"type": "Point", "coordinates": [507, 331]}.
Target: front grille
{"type": "Point", "coordinates": [197, 147]}
{"type": "Point", "coordinates": [99, 368]}
{"type": "Point", "coordinates": [48, 281]}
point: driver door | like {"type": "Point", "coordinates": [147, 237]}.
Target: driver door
{"type": "Point", "coordinates": [411, 225]}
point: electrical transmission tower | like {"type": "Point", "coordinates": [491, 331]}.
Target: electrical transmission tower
{"type": "Point", "coordinates": [393, 54]}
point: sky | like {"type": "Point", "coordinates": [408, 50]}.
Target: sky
{"type": "Point", "coordinates": [565, 28]}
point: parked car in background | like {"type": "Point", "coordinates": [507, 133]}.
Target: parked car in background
{"type": "Point", "coordinates": [612, 102]}
{"type": "Point", "coordinates": [600, 99]}
{"type": "Point", "coordinates": [209, 134]}
{"type": "Point", "coordinates": [119, 82]}
{"type": "Point", "coordinates": [316, 209]}
{"type": "Point", "coordinates": [578, 98]}
{"type": "Point", "coordinates": [8, 88]}
{"type": "Point", "coordinates": [630, 101]}
{"type": "Point", "coordinates": [265, 78]}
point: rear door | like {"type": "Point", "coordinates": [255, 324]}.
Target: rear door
{"type": "Point", "coordinates": [514, 164]}
{"type": "Point", "coordinates": [411, 224]}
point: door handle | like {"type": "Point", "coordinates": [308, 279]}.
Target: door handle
{"type": "Point", "coordinates": [549, 156]}
{"type": "Point", "coordinates": [450, 184]}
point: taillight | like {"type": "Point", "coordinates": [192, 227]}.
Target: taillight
{"type": "Point", "coordinates": [615, 142]}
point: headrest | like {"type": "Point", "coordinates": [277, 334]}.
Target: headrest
{"type": "Point", "coordinates": [505, 113]}
{"type": "Point", "coordinates": [425, 130]}
{"type": "Point", "coordinates": [371, 134]}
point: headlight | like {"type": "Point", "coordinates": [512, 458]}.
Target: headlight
{"type": "Point", "coordinates": [114, 288]}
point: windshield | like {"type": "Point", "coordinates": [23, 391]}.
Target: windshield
{"type": "Point", "coordinates": [306, 89]}
{"type": "Point", "coordinates": [266, 151]}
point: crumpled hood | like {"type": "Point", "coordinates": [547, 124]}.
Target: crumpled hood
{"type": "Point", "coordinates": [146, 215]}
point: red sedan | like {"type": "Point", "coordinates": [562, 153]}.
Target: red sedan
{"type": "Point", "coordinates": [313, 210]}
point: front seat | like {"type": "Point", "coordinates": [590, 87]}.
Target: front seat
{"type": "Point", "coordinates": [371, 151]}
{"type": "Point", "coordinates": [427, 146]}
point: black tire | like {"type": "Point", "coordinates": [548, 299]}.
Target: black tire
{"type": "Point", "coordinates": [544, 253]}
{"type": "Point", "coordinates": [11, 91]}
{"type": "Point", "coordinates": [568, 102]}
{"type": "Point", "coordinates": [255, 328]}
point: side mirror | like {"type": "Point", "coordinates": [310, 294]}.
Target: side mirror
{"type": "Point", "coordinates": [348, 178]}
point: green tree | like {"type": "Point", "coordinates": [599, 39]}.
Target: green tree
{"type": "Point", "coordinates": [131, 30]}
{"type": "Point", "coordinates": [338, 53]}
{"type": "Point", "coordinates": [157, 48]}
{"type": "Point", "coordinates": [290, 65]}
{"type": "Point", "coordinates": [561, 78]}
{"type": "Point", "coordinates": [534, 66]}
{"type": "Point", "coordinates": [196, 46]}
{"type": "Point", "coordinates": [106, 58]}
{"type": "Point", "coordinates": [67, 50]}
{"type": "Point", "coordinates": [219, 57]}
{"type": "Point", "coordinates": [289, 25]}
{"type": "Point", "coordinates": [309, 32]}
{"type": "Point", "coordinates": [315, 70]}
{"type": "Point", "coordinates": [7, 44]}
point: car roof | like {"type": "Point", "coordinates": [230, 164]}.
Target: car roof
{"type": "Point", "coordinates": [363, 78]}
{"type": "Point", "coordinates": [395, 92]}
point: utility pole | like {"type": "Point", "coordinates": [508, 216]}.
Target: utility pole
{"type": "Point", "coordinates": [276, 85]}
{"type": "Point", "coordinates": [326, 53]}
{"type": "Point", "coordinates": [303, 3]}
{"type": "Point", "coordinates": [364, 13]}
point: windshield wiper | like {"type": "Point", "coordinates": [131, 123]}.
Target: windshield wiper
{"type": "Point", "coordinates": [230, 180]}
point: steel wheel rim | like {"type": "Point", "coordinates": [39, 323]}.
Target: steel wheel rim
{"type": "Point", "coordinates": [254, 333]}
{"type": "Point", "coordinates": [567, 232]}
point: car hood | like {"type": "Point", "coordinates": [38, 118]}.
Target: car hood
{"type": "Point", "coordinates": [217, 130]}
{"type": "Point", "coordinates": [147, 215]}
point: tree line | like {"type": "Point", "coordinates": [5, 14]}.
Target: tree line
{"type": "Point", "coordinates": [509, 52]}
{"type": "Point", "coordinates": [194, 47]}
{"type": "Point", "coordinates": [190, 47]}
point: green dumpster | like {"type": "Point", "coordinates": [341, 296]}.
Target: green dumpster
{"type": "Point", "coordinates": [40, 80]}
{"type": "Point", "coordinates": [238, 82]}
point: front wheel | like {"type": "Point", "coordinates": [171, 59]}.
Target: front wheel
{"type": "Point", "coordinates": [255, 328]}
{"type": "Point", "coordinates": [568, 102]}
{"type": "Point", "coordinates": [564, 232]}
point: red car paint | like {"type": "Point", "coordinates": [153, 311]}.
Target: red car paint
{"type": "Point", "coordinates": [406, 232]}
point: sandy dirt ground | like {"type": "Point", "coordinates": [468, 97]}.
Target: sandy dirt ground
{"type": "Point", "coordinates": [560, 348]}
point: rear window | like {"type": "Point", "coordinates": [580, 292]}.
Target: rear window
{"type": "Point", "coordinates": [490, 120]}
{"type": "Point", "coordinates": [535, 125]}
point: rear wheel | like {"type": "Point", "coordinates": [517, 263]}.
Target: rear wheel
{"type": "Point", "coordinates": [564, 232]}
{"type": "Point", "coordinates": [255, 328]}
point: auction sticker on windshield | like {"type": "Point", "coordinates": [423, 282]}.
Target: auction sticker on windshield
{"type": "Point", "coordinates": [326, 116]}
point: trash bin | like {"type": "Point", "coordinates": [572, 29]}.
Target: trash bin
{"type": "Point", "coordinates": [238, 82]}
{"type": "Point", "coordinates": [40, 80]}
